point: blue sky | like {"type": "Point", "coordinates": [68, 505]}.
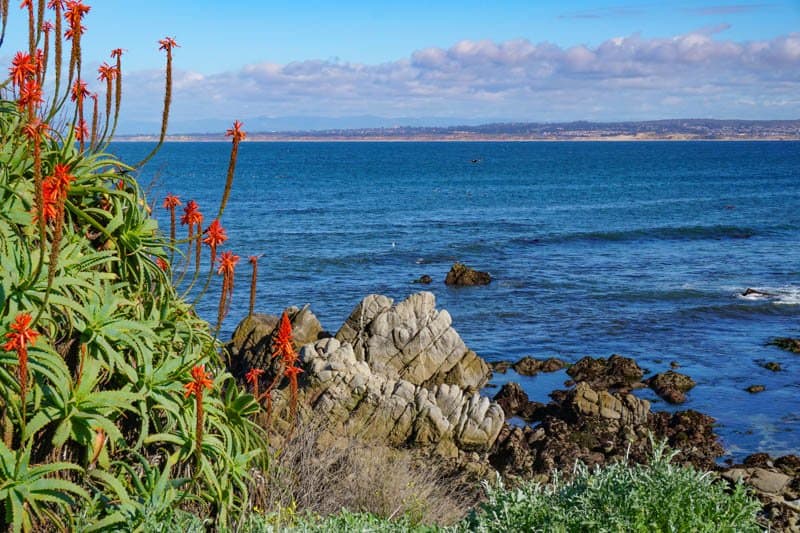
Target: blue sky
{"type": "Point", "coordinates": [460, 59]}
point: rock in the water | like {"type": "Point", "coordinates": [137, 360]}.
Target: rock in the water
{"type": "Point", "coordinates": [424, 279]}
{"type": "Point", "coordinates": [616, 372]}
{"type": "Point", "coordinates": [752, 389]}
{"type": "Point", "coordinates": [501, 367]}
{"type": "Point", "coordinates": [515, 402]}
{"type": "Point", "coordinates": [774, 366]}
{"type": "Point", "coordinates": [671, 386]}
{"type": "Point", "coordinates": [461, 274]}
{"type": "Point", "coordinates": [366, 402]}
{"type": "Point", "coordinates": [528, 366]}
{"type": "Point", "coordinates": [787, 343]}
{"type": "Point", "coordinates": [412, 341]}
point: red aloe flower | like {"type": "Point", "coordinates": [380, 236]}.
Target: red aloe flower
{"type": "Point", "coordinates": [171, 201]}
{"type": "Point", "coordinates": [284, 345]}
{"type": "Point", "coordinates": [191, 215]}
{"type": "Point", "coordinates": [252, 378]}
{"type": "Point", "coordinates": [200, 380]}
{"type": "Point", "coordinates": [167, 43]}
{"type": "Point", "coordinates": [30, 96]}
{"type": "Point", "coordinates": [81, 131]}
{"type": "Point", "coordinates": [215, 235]}
{"type": "Point", "coordinates": [47, 26]}
{"type": "Point", "coordinates": [79, 91]}
{"type": "Point", "coordinates": [162, 264]}
{"type": "Point", "coordinates": [36, 129]}
{"type": "Point", "coordinates": [62, 178]}
{"type": "Point", "coordinates": [227, 263]}
{"type": "Point", "coordinates": [52, 4]}
{"type": "Point", "coordinates": [236, 132]}
{"type": "Point", "coordinates": [23, 67]}
{"type": "Point", "coordinates": [18, 340]}
{"type": "Point", "coordinates": [74, 13]}
{"type": "Point", "coordinates": [117, 52]}
{"type": "Point", "coordinates": [106, 72]}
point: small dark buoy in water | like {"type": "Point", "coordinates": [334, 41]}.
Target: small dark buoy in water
{"type": "Point", "coordinates": [475, 161]}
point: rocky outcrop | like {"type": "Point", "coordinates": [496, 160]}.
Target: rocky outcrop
{"type": "Point", "coordinates": [462, 275]}
{"type": "Point", "coordinates": [614, 373]}
{"type": "Point", "coordinates": [412, 341]}
{"type": "Point", "coordinates": [671, 386]}
{"type": "Point", "coordinates": [596, 426]}
{"type": "Point", "coordinates": [396, 373]}
{"type": "Point", "coordinates": [367, 403]}
{"type": "Point", "coordinates": [528, 366]}
{"type": "Point", "coordinates": [776, 483]}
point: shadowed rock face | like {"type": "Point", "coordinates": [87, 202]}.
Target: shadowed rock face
{"type": "Point", "coordinates": [616, 372]}
{"type": "Point", "coordinates": [671, 385]}
{"type": "Point", "coordinates": [412, 341]}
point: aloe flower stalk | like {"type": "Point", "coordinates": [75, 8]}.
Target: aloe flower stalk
{"type": "Point", "coordinates": [166, 44]}
{"type": "Point", "coordinates": [201, 380]}
{"type": "Point", "coordinates": [252, 377]}
{"type": "Point", "coordinates": [253, 282]}
{"type": "Point", "coordinates": [227, 265]}
{"type": "Point", "coordinates": [19, 338]}
{"type": "Point", "coordinates": [238, 135]}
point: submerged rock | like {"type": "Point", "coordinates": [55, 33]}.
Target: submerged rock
{"type": "Point", "coordinates": [616, 372]}
{"type": "Point", "coordinates": [786, 343]}
{"type": "Point", "coordinates": [424, 279]}
{"type": "Point", "coordinates": [461, 274]}
{"type": "Point", "coordinates": [753, 389]}
{"type": "Point", "coordinates": [671, 386]}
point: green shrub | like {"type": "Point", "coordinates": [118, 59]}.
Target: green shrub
{"type": "Point", "coordinates": [659, 496]}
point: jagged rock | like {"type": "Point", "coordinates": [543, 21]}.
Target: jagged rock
{"type": "Point", "coordinates": [624, 409]}
{"type": "Point", "coordinates": [251, 345]}
{"type": "Point", "coordinates": [595, 427]}
{"type": "Point", "coordinates": [413, 341]}
{"type": "Point", "coordinates": [616, 372]}
{"type": "Point", "coordinates": [424, 279]}
{"type": "Point", "coordinates": [461, 274]}
{"type": "Point", "coordinates": [787, 343]}
{"type": "Point", "coordinates": [753, 389]}
{"type": "Point", "coordinates": [501, 367]}
{"type": "Point", "coordinates": [368, 403]}
{"type": "Point", "coordinates": [773, 366]}
{"type": "Point", "coordinates": [515, 402]}
{"type": "Point", "coordinates": [528, 366]}
{"type": "Point", "coordinates": [671, 386]}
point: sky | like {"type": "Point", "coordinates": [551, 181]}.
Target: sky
{"type": "Point", "coordinates": [443, 60]}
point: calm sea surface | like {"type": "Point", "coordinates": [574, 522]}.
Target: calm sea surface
{"type": "Point", "coordinates": [640, 249]}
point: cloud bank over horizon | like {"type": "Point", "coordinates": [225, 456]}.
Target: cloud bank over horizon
{"type": "Point", "coordinates": [697, 74]}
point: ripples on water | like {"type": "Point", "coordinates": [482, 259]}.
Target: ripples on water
{"type": "Point", "coordinates": [640, 249]}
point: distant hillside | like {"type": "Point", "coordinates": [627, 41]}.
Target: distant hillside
{"type": "Point", "coordinates": [671, 129]}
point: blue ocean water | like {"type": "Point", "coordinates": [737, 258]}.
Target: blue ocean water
{"type": "Point", "coordinates": [640, 249]}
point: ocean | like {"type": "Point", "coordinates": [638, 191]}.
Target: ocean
{"type": "Point", "coordinates": [637, 248]}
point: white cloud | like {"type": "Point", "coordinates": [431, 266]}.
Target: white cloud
{"type": "Point", "coordinates": [696, 74]}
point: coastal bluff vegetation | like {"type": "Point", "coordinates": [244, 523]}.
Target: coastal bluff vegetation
{"type": "Point", "coordinates": [121, 409]}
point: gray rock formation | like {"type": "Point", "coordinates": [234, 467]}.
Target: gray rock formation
{"type": "Point", "coordinates": [412, 341]}
{"type": "Point", "coordinates": [368, 403]}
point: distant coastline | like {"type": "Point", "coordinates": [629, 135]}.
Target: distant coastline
{"type": "Point", "coordinates": [657, 130]}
